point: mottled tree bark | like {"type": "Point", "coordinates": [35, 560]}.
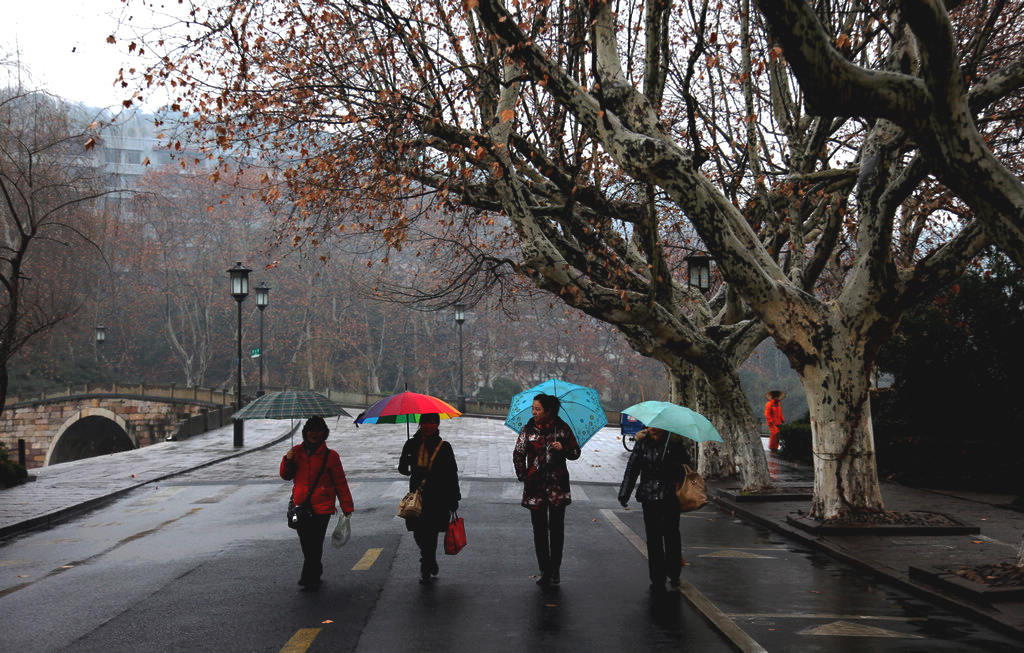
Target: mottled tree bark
{"type": "Point", "coordinates": [830, 344]}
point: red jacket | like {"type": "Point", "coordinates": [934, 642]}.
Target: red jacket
{"type": "Point", "coordinates": [773, 413]}
{"type": "Point", "coordinates": [303, 467]}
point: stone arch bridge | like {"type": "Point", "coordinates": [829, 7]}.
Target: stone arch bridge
{"type": "Point", "coordinates": [100, 419]}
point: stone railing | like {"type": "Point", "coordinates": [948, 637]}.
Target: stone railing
{"type": "Point", "coordinates": [207, 420]}
{"type": "Point", "coordinates": [226, 399]}
{"type": "Point", "coordinates": [170, 391]}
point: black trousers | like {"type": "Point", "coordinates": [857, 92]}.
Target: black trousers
{"type": "Point", "coordinates": [664, 546]}
{"type": "Point", "coordinates": [548, 535]}
{"type": "Point", "coordinates": [311, 538]}
{"type": "Point", "coordinates": [425, 533]}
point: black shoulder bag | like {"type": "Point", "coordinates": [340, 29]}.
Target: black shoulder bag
{"type": "Point", "coordinates": [302, 514]}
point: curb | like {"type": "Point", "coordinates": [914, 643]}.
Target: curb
{"type": "Point", "coordinates": [57, 516]}
{"type": "Point", "coordinates": [879, 571]}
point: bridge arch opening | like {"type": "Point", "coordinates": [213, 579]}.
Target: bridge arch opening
{"type": "Point", "coordinates": [96, 432]}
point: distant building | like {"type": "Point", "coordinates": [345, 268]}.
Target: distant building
{"type": "Point", "coordinates": [129, 144]}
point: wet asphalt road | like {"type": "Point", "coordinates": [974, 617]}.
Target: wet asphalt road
{"type": "Point", "coordinates": [206, 563]}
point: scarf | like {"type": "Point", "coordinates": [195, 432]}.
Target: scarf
{"type": "Point", "coordinates": [423, 456]}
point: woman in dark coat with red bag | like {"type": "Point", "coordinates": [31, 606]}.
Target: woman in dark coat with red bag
{"type": "Point", "coordinates": [304, 463]}
{"type": "Point", "coordinates": [544, 444]}
{"type": "Point", "coordinates": [427, 457]}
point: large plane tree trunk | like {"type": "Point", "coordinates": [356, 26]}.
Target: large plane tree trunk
{"type": "Point", "coordinates": [835, 372]}
{"type": "Point", "coordinates": [724, 403]}
{"type": "Point", "coordinates": [735, 420]}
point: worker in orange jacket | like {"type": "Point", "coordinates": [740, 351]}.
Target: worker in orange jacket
{"type": "Point", "coordinates": [773, 415]}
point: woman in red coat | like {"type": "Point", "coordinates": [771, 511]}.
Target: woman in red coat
{"type": "Point", "coordinates": [773, 415]}
{"type": "Point", "coordinates": [304, 463]}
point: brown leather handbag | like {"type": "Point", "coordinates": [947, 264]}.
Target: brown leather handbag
{"type": "Point", "coordinates": [692, 492]}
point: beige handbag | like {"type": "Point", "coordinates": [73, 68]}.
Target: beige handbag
{"type": "Point", "coordinates": [411, 505]}
{"type": "Point", "coordinates": [692, 492]}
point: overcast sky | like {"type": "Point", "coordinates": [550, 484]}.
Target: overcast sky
{"type": "Point", "coordinates": [63, 45]}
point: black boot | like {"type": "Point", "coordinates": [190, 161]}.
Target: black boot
{"type": "Point", "coordinates": [545, 575]}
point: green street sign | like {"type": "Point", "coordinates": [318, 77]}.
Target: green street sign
{"type": "Point", "coordinates": [255, 352]}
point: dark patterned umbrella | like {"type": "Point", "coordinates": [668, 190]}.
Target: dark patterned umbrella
{"type": "Point", "coordinates": [290, 404]}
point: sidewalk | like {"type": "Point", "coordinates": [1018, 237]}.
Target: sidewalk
{"type": "Point", "coordinates": [60, 491]}
{"type": "Point", "coordinates": [892, 556]}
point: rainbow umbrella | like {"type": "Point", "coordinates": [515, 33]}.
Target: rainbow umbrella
{"type": "Point", "coordinates": [405, 407]}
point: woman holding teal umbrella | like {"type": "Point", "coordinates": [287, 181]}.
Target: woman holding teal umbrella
{"type": "Point", "coordinates": [544, 444]}
{"type": "Point", "coordinates": [658, 459]}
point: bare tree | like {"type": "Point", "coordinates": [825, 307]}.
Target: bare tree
{"type": "Point", "coordinates": [48, 220]}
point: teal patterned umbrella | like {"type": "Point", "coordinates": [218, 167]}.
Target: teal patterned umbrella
{"type": "Point", "coordinates": [290, 404]}
{"type": "Point", "coordinates": [581, 408]}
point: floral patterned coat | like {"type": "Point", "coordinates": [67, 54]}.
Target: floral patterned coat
{"type": "Point", "coordinates": [542, 470]}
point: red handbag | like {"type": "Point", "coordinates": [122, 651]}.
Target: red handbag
{"type": "Point", "coordinates": [455, 536]}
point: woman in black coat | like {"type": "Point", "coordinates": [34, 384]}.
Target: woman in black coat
{"type": "Point", "coordinates": [426, 457]}
{"type": "Point", "coordinates": [659, 465]}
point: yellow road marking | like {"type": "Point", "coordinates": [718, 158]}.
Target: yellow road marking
{"type": "Point", "coordinates": [301, 640]}
{"type": "Point", "coordinates": [367, 560]}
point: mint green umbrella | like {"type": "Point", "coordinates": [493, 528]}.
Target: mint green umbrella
{"type": "Point", "coordinates": [675, 419]}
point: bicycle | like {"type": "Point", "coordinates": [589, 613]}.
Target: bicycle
{"type": "Point", "coordinates": [628, 427]}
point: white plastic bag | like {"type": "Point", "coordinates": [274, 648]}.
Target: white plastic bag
{"type": "Point", "coordinates": [342, 531]}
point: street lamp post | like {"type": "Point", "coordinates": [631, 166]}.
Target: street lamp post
{"type": "Point", "coordinates": [101, 337]}
{"type": "Point", "coordinates": [262, 299]}
{"type": "Point", "coordinates": [698, 271]}
{"type": "Point", "coordinates": [239, 290]}
{"type": "Point", "coordinates": [460, 317]}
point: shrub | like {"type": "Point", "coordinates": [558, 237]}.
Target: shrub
{"type": "Point", "coordinates": [11, 473]}
{"type": "Point", "coordinates": [953, 417]}
{"type": "Point", "coordinates": [795, 440]}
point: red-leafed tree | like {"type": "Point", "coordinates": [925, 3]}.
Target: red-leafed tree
{"type": "Point", "coordinates": [615, 139]}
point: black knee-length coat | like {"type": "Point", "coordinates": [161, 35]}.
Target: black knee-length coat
{"type": "Point", "coordinates": [441, 493]}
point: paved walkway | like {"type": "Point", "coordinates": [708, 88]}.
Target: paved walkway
{"type": "Point", "coordinates": [483, 449]}
{"type": "Point", "coordinates": [891, 556]}
{"type": "Point", "coordinates": [60, 491]}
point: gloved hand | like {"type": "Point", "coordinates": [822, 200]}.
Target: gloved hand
{"type": "Point", "coordinates": [623, 502]}
{"type": "Point", "coordinates": [455, 507]}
